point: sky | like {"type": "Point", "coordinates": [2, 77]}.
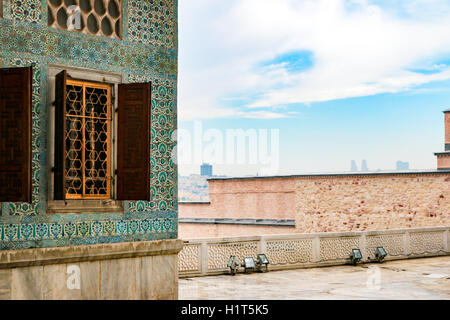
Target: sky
{"type": "Point", "coordinates": [330, 80]}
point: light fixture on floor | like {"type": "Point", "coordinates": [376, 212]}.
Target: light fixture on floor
{"type": "Point", "coordinates": [262, 261]}
{"type": "Point", "coordinates": [233, 264]}
{"type": "Point", "coordinates": [355, 256]}
{"type": "Point", "coordinates": [380, 254]}
{"type": "Point", "coordinates": [249, 264]}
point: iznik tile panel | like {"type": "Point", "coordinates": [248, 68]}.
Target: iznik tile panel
{"type": "Point", "coordinates": [147, 51]}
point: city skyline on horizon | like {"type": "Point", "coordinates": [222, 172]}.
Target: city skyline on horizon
{"type": "Point", "coordinates": [400, 165]}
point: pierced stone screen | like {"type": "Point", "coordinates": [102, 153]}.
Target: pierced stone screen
{"type": "Point", "coordinates": [94, 17]}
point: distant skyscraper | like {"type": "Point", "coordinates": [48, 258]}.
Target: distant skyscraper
{"type": "Point", "coordinates": [402, 166]}
{"type": "Point", "coordinates": [364, 167]}
{"type": "Point", "coordinates": [353, 167]}
{"type": "Point", "coordinates": [206, 170]}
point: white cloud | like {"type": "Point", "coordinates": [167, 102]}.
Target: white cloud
{"type": "Point", "coordinates": [360, 48]}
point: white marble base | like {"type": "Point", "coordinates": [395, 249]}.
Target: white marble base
{"type": "Point", "coordinates": [130, 271]}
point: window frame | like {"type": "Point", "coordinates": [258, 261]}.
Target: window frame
{"type": "Point", "coordinates": [110, 113]}
{"type": "Point", "coordinates": [82, 205]}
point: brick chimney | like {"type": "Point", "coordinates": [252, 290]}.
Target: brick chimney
{"type": "Point", "coordinates": [443, 158]}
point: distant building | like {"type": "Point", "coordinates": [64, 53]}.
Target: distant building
{"type": "Point", "coordinates": [443, 158]}
{"type": "Point", "coordinates": [353, 166]}
{"type": "Point", "coordinates": [364, 167]}
{"type": "Point", "coordinates": [402, 166]}
{"type": "Point", "coordinates": [206, 170]}
{"type": "Point", "coordinates": [255, 206]}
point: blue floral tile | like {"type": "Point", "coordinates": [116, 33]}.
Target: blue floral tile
{"type": "Point", "coordinates": [26, 10]}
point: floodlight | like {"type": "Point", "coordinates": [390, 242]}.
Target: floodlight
{"type": "Point", "coordinates": [380, 254]}
{"type": "Point", "coordinates": [233, 264]}
{"type": "Point", "coordinates": [262, 260]}
{"type": "Point", "coordinates": [249, 264]}
{"type": "Point", "coordinates": [355, 256]}
{"type": "Point", "coordinates": [230, 261]}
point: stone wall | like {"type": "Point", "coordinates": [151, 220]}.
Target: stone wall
{"type": "Point", "coordinates": [372, 202]}
{"type": "Point", "coordinates": [324, 203]}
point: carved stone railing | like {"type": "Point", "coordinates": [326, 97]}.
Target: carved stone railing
{"type": "Point", "coordinates": [210, 256]}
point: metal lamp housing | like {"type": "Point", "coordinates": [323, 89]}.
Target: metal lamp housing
{"type": "Point", "coordinates": [262, 261]}
{"type": "Point", "coordinates": [380, 254]}
{"type": "Point", "coordinates": [355, 256]}
{"type": "Point", "coordinates": [249, 264]}
{"type": "Point", "coordinates": [233, 264]}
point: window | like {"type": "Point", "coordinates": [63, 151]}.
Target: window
{"type": "Point", "coordinates": [83, 159]}
{"type": "Point", "coordinates": [84, 135]}
{"type": "Point", "coordinates": [88, 140]}
{"type": "Point", "coordinates": [94, 17]}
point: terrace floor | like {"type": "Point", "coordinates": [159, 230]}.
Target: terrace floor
{"type": "Point", "coordinates": [427, 278]}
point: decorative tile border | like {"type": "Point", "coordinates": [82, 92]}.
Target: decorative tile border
{"type": "Point", "coordinates": [78, 230]}
{"type": "Point", "coordinates": [70, 230]}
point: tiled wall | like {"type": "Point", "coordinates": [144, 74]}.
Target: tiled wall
{"type": "Point", "coordinates": [146, 52]}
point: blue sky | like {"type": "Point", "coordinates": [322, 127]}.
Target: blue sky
{"type": "Point", "coordinates": [340, 80]}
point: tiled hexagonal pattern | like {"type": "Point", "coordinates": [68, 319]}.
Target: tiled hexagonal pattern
{"type": "Point", "coordinates": [30, 41]}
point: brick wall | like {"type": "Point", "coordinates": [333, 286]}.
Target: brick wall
{"type": "Point", "coordinates": [444, 161]}
{"type": "Point", "coordinates": [245, 199]}
{"type": "Point", "coordinates": [201, 231]}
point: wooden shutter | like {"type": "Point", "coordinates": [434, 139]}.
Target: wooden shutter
{"type": "Point", "coordinates": [60, 132]}
{"type": "Point", "coordinates": [15, 134]}
{"type": "Point", "coordinates": [133, 142]}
